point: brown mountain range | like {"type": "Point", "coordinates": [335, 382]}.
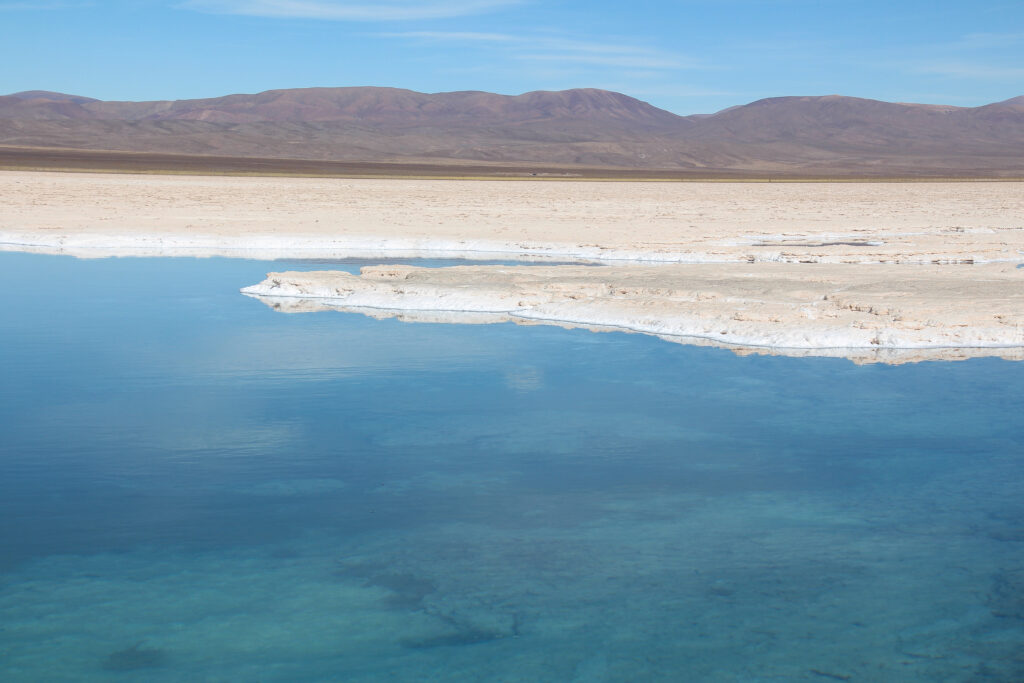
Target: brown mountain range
{"type": "Point", "coordinates": [583, 128]}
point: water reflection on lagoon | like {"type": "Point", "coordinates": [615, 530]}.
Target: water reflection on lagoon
{"type": "Point", "coordinates": [195, 487]}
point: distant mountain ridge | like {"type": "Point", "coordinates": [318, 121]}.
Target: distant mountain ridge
{"type": "Point", "coordinates": [349, 104]}
{"type": "Point", "coordinates": [46, 95]}
{"type": "Point", "coordinates": [585, 127]}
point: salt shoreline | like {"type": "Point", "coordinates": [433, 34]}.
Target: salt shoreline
{"type": "Point", "coordinates": [270, 247]}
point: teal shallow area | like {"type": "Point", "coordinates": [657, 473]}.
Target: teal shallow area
{"type": "Point", "coordinates": [196, 488]}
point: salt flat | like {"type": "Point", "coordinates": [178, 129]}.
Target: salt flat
{"type": "Point", "coordinates": [870, 265]}
{"type": "Point", "coordinates": [111, 214]}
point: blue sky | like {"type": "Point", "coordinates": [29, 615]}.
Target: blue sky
{"type": "Point", "coordinates": [687, 56]}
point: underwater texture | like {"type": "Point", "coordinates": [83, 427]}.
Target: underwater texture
{"type": "Point", "coordinates": [194, 487]}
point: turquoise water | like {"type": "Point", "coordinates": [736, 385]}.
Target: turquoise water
{"type": "Point", "coordinates": [194, 487]}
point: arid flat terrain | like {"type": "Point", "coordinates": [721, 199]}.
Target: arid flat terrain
{"type": "Point", "coordinates": [66, 159]}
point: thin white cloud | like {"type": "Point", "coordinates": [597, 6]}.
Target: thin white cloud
{"type": "Point", "coordinates": [556, 49]}
{"type": "Point", "coordinates": [988, 41]}
{"type": "Point", "coordinates": [346, 10]}
{"type": "Point", "coordinates": [969, 70]}
{"type": "Point", "coordinates": [454, 36]}
{"type": "Point", "coordinates": [603, 47]}
{"type": "Point", "coordinates": [624, 61]}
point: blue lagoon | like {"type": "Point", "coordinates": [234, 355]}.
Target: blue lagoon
{"type": "Point", "coordinates": [196, 487]}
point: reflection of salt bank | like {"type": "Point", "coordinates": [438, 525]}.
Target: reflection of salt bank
{"type": "Point", "coordinates": [871, 314]}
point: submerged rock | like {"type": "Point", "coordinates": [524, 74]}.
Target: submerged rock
{"type": "Point", "coordinates": [407, 590]}
{"type": "Point", "coordinates": [464, 636]}
{"type": "Point", "coordinates": [1007, 596]}
{"type": "Point", "coordinates": [134, 658]}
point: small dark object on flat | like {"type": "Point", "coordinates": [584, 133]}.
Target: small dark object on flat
{"type": "Point", "coordinates": [134, 658]}
{"type": "Point", "coordinates": [817, 244]}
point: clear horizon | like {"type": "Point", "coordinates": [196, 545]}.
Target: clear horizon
{"type": "Point", "coordinates": [689, 57]}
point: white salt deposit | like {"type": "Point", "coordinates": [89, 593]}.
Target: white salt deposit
{"type": "Point", "coordinates": [776, 306]}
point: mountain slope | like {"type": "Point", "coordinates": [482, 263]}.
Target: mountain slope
{"type": "Point", "coordinates": [366, 105]}
{"type": "Point", "coordinates": [796, 135]}
{"type": "Point", "coordinates": [46, 95]}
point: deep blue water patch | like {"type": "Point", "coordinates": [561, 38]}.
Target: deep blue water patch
{"type": "Point", "coordinates": [193, 486]}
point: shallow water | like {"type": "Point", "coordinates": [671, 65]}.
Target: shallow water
{"type": "Point", "coordinates": [193, 487]}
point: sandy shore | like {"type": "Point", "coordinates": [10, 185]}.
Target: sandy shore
{"type": "Point", "coordinates": [857, 253]}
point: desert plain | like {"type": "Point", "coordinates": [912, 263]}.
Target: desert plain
{"type": "Point", "coordinates": [873, 271]}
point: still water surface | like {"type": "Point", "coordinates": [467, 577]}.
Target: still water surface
{"type": "Point", "coordinates": [194, 487]}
